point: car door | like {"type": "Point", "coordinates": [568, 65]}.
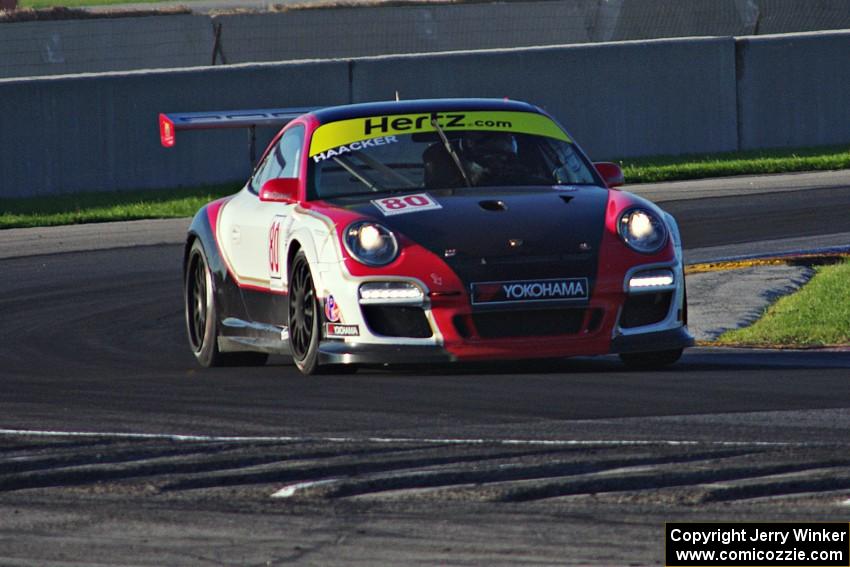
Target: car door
{"type": "Point", "coordinates": [258, 230]}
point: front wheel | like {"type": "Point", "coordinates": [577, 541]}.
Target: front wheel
{"type": "Point", "coordinates": [202, 316]}
{"type": "Point", "coordinates": [651, 360]}
{"type": "Point", "coordinates": [303, 316]}
{"type": "Point", "coordinates": [305, 322]}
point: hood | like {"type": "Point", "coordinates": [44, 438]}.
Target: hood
{"type": "Point", "coordinates": [502, 234]}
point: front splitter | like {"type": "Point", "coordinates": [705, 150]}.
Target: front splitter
{"type": "Point", "coordinates": [338, 352]}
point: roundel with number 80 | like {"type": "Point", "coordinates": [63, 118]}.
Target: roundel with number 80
{"type": "Point", "coordinates": [417, 202]}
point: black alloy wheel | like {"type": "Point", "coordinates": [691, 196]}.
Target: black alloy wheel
{"type": "Point", "coordinates": [202, 316]}
{"type": "Point", "coordinates": [196, 292]}
{"type": "Point", "coordinates": [303, 316]}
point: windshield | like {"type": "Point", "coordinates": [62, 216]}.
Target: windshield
{"type": "Point", "coordinates": [442, 151]}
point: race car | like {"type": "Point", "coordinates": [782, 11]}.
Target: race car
{"type": "Point", "coordinates": [427, 231]}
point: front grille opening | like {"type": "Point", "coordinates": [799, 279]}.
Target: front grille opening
{"type": "Point", "coordinates": [645, 309]}
{"type": "Point", "coordinates": [595, 320]}
{"type": "Point", "coordinates": [397, 321]}
{"type": "Point", "coordinates": [463, 324]}
{"type": "Point", "coordinates": [532, 323]}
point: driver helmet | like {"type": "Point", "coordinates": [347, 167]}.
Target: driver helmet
{"type": "Point", "coordinates": [489, 148]}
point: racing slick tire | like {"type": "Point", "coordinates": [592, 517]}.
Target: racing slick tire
{"type": "Point", "coordinates": [305, 322]}
{"type": "Point", "coordinates": [201, 311]}
{"type": "Point", "coordinates": [303, 313]}
{"type": "Point", "coordinates": [651, 360]}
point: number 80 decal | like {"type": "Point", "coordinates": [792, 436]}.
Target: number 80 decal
{"type": "Point", "coordinates": [406, 204]}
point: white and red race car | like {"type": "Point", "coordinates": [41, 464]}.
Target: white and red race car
{"type": "Point", "coordinates": [428, 231]}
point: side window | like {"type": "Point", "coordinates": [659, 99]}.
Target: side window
{"type": "Point", "coordinates": [283, 161]}
{"type": "Point", "coordinates": [290, 147]}
{"type": "Point", "coordinates": [263, 173]}
{"type": "Point", "coordinates": [570, 168]}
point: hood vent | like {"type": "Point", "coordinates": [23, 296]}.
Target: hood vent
{"type": "Point", "coordinates": [566, 198]}
{"type": "Point", "coordinates": [494, 206]}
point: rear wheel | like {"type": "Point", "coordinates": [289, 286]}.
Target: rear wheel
{"type": "Point", "coordinates": [202, 316]}
{"type": "Point", "coordinates": [651, 360]}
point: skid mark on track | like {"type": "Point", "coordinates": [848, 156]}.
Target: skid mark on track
{"type": "Point", "coordinates": [393, 440]}
{"type": "Point", "coordinates": [499, 471]}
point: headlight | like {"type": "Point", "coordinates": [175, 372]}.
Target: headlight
{"type": "Point", "coordinates": [642, 230]}
{"type": "Point", "coordinates": [370, 243]}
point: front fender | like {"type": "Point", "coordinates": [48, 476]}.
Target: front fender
{"type": "Point", "coordinates": [673, 227]}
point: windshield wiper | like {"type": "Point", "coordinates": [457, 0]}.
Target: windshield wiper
{"type": "Point", "coordinates": [383, 168]}
{"type": "Point", "coordinates": [359, 177]}
{"type": "Point", "coordinates": [449, 149]}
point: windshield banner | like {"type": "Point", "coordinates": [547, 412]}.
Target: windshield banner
{"type": "Point", "coordinates": [355, 131]}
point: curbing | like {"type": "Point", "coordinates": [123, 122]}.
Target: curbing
{"type": "Point", "coordinates": [810, 257]}
{"type": "Point", "coordinates": [799, 258]}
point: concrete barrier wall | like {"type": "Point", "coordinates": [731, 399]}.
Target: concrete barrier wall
{"type": "Point", "coordinates": [358, 32]}
{"type": "Point", "coordinates": [617, 99]}
{"type": "Point", "coordinates": [647, 19]}
{"type": "Point", "coordinates": [784, 16]}
{"type": "Point", "coordinates": [99, 132]}
{"type": "Point", "coordinates": [58, 47]}
{"type": "Point", "coordinates": [88, 46]}
{"type": "Point", "coordinates": [90, 133]}
{"type": "Point", "coordinates": [794, 90]}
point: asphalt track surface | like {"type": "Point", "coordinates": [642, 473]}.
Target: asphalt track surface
{"type": "Point", "coordinates": [565, 462]}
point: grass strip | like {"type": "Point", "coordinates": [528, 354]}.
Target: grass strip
{"type": "Point", "coordinates": [677, 168]}
{"type": "Point", "coordinates": [103, 207]}
{"type": "Point", "coordinates": [80, 3]}
{"type": "Point", "coordinates": [99, 207]}
{"type": "Point", "coordinates": [306, 5]}
{"type": "Point", "coordinates": [818, 314]}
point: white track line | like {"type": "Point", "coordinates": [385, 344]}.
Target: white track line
{"type": "Point", "coordinates": [388, 440]}
{"type": "Point", "coordinates": [290, 490]}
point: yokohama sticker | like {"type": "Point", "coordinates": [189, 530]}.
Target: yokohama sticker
{"type": "Point", "coordinates": [341, 331]}
{"type": "Point", "coordinates": [407, 204]}
{"type": "Point", "coordinates": [530, 290]}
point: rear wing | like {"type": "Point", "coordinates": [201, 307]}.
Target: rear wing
{"type": "Point", "coordinates": [172, 122]}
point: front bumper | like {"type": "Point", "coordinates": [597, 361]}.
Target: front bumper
{"type": "Point", "coordinates": [455, 335]}
{"type": "Point", "coordinates": [338, 352]}
{"type": "Point", "coordinates": [671, 339]}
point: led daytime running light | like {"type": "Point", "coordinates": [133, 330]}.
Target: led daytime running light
{"type": "Point", "coordinates": [651, 279]}
{"type": "Point", "coordinates": [390, 292]}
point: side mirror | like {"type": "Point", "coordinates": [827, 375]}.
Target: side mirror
{"type": "Point", "coordinates": [611, 173]}
{"type": "Point", "coordinates": [280, 191]}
